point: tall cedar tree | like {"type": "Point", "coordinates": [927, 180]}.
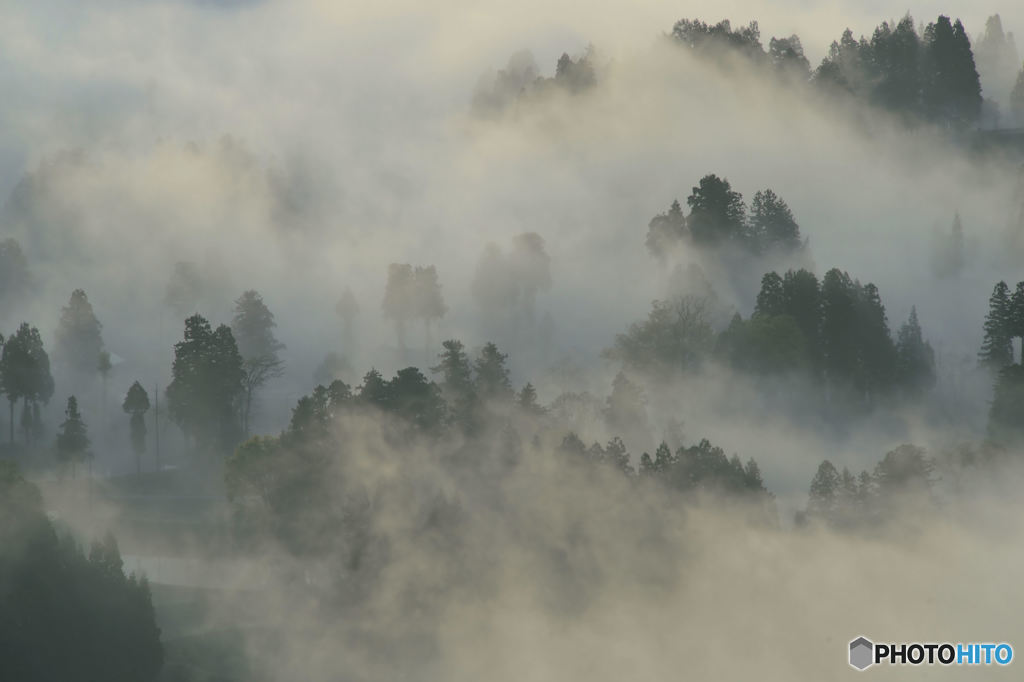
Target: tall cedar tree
{"type": "Point", "coordinates": [79, 342]}
{"type": "Point", "coordinates": [492, 382]}
{"type": "Point", "coordinates": [206, 387]}
{"type": "Point", "coordinates": [997, 347]}
{"type": "Point", "coordinates": [73, 437]}
{"type": "Point", "coordinates": [717, 213]}
{"type": "Point", "coordinates": [457, 383]}
{"type": "Point", "coordinates": [25, 370]}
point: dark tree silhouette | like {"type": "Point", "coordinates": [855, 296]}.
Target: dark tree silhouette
{"type": "Point", "coordinates": [79, 338]}
{"type": "Point", "coordinates": [136, 404]}
{"type": "Point", "coordinates": [457, 387]}
{"type": "Point", "coordinates": [253, 328]}
{"type": "Point", "coordinates": [73, 437]}
{"type": "Point", "coordinates": [997, 348]}
{"type": "Point", "coordinates": [25, 370]}
{"type": "Point", "coordinates": [951, 89]}
{"type": "Point", "coordinates": [675, 336]}
{"type": "Point", "coordinates": [787, 56]}
{"type": "Point", "coordinates": [717, 213]}
{"type": "Point", "coordinates": [772, 224]}
{"type": "Point", "coordinates": [204, 395]}
{"type": "Point", "coordinates": [15, 278]}
{"type": "Point", "coordinates": [65, 616]}
{"type": "Point", "coordinates": [527, 400]}
{"type": "Point", "coordinates": [492, 382]}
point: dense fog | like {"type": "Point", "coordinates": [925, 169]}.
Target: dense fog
{"type": "Point", "coordinates": [506, 386]}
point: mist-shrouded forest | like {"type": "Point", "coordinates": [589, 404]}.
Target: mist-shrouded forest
{"type": "Point", "coordinates": [542, 342]}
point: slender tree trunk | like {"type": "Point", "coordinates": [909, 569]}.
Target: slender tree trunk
{"type": "Point", "coordinates": [11, 401]}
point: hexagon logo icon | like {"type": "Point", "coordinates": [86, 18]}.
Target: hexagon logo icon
{"type": "Point", "coordinates": [862, 653]}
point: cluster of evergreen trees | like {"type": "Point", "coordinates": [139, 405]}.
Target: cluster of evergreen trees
{"type": "Point", "coordinates": [926, 73]}
{"type": "Point", "coordinates": [521, 79]}
{"type": "Point", "coordinates": [719, 217]}
{"type": "Point", "coordinates": [835, 330]}
{"type": "Point", "coordinates": [930, 75]}
{"type": "Point", "coordinates": [65, 615]}
{"type": "Point", "coordinates": [905, 476]}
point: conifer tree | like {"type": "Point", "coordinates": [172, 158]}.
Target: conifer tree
{"type": "Point", "coordinates": [996, 348]}
{"type": "Point", "coordinates": [72, 438]}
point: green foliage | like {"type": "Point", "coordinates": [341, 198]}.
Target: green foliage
{"type": "Point", "coordinates": [712, 39]}
{"type": "Point", "coordinates": [997, 347]}
{"type": "Point", "coordinates": [64, 616]}
{"type": "Point", "coordinates": [772, 225]}
{"type": "Point", "coordinates": [930, 76]}
{"type": "Point", "coordinates": [902, 480]}
{"type": "Point", "coordinates": [951, 89]}
{"type": "Point", "coordinates": [457, 386]}
{"type": "Point", "coordinates": [717, 213]}
{"type": "Point", "coordinates": [492, 382]}
{"type": "Point", "coordinates": [25, 369]}
{"type": "Point", "coordinates": [207, 385]}
{"type": "Point", "coordinates": [764, 344]}
{"type": "Point", "coordinates": [787, 56]}
{"type": "Point", "coordinates": [527, 400]}
{"type": "Point", "coordinates": [79, 342]}
{"type": "Point", "coordinates": [676, 336]}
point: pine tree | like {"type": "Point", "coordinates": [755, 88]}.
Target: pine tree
{"type": "Point", "coordinates": [915, 357]}
{"type": "Point", "coordinates": [25, 370]}
{"type": "Point", "coordinates": [666, 232]}
{"type": "Point", "coordinates": [79, 335]}
{"type": "Point", "coordinates": [457, 383]}
{"type": "Point", "coordinates": [823, 496]}
{"type": "Point", "coordinates": [771, 300]}
{"type": "Point", "coordinates": [527, 400]}
{"type": "Point", "coordinates": [207, 387]}
{"type": "Point", "coordinates": [772, 224]}
{"type": "Point", "coordinates": [951, 86]}
{"type": "Point", "coordinates": [717, 213]}
{"type": "Point", "coordinates": [996, 348]}
{"type": "Point", "coordinates": [73, 438]}
{"type": "Point", "coordinates": [492, 382]}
